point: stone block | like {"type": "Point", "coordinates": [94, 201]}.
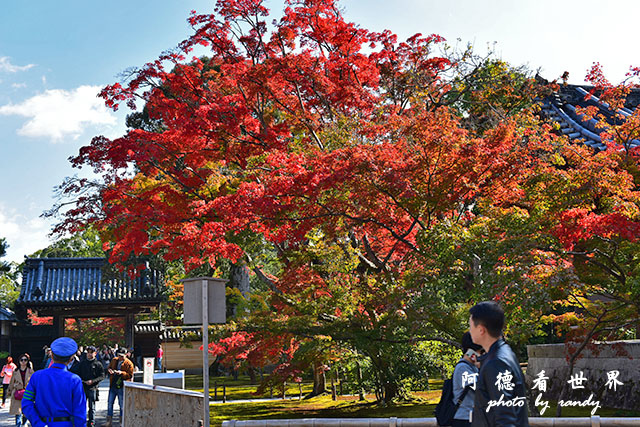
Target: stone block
{"type": "Point", "coordinates": [621, 356]}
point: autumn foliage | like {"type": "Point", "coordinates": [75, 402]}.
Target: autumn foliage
{"type": "Point", "coordinates": [393, 181]}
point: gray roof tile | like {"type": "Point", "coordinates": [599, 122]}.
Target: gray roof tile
{"type": "Point", "coordinates": [51, 281]}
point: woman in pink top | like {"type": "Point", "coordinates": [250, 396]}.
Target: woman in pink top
{"type": "Point", "coordinates": [6, 374]}
{"type": "Point", "coordinates": [159, 355]}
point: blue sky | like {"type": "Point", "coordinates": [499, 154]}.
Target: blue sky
{"type": "Point", "coordinates": [55, 56]}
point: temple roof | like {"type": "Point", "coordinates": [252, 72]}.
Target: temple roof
{"type": "Point", "coordinates": [149, 327]}
{"type": "Point", "coordinates": [6, 314]}
{"type": "Point", "coordinates": [81, 281]}
{"type": "Point", "coordinates": [561, 108]}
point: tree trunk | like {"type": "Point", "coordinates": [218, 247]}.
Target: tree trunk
{"type": "Point", "coordinates": [360, 386]}
{"type": "Point", "coordinates": [240, 280]}
{"type": "Point", "coordinates": [319, 379]}
{"type": "Point", "coordinates": [252, 375]}
{"type": "Point", "coordinates": [388, 385]}
{"type": "Point", "coordinates": [391, 391]}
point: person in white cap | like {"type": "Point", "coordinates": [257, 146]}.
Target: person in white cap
{"type": "Point", "coordinates": [54, 397]}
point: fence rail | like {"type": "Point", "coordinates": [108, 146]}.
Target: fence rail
{"type": "Point", "coordinates": [594, 421]}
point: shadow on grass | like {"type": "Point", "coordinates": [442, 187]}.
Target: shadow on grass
{"type": "Point", "coordinates": [319, 407]}
{"type": "Point", "coordinates": [349, 407]}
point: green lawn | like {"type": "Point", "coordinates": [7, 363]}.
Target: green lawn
{"type": "Point", "coordinates": [318, 407]}
{"type": "Point", "coordinates": [241, 388]}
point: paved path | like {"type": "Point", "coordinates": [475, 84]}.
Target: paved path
{"type": "Point", "coordinates": [7, 420]}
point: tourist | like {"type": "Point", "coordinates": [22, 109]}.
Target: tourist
{"type": "Point", "coordinates": [91, 373]}
{"type": "Point", "coordinates": [55, 391]}
{"type": "Point", "coordinates": [105, 356]}
{"type": "Point", "coordinates": [464, 377]}
{"type": "Point", "coordinates": [46, 361]}
{"type": "Point", "coordinates": [19, 381]}
{"type": "Point", "coordinates": [130, 356]}
{"type": "Point", "coordinates": [500, 377]}
{"type": "Point", "coordinates": [137, 353]}
{"type": "Point", "coordinates": [6, 373]}
{"type": "Point", "coordinates": [74, 365]}
{"type": "Point", "coordinates": [159, 356]}
{"type": "Point", "coordinates": [120, 370]}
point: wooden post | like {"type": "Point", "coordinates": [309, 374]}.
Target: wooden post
{"type": "Point", "coordinates": [58, 325]}
{"type": "Point", "coordinates": [129, 325]}
{"type": "Point", "coordinates": [284, 390]}
{"type": "Point", "coordinates": [224, 393]}
{"type": "Point", "coordinates": [300, 389]}
{"type": "Point", "coordinates": [333, 390]}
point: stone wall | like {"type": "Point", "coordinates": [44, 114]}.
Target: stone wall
{"type": "Point", "coordinates": [150, 406]}
{"type": "Point", "coordinates": [621, 356]}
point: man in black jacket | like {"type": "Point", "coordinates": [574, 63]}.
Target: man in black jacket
{"type": "Point", "coordinates": [500, 396]}
{"type": "Point", "coordinates": [91, 372]}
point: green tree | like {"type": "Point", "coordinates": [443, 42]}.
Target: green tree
{"type": "Point", "coordinates": [9, 275]}
{"type": "Point", "coordinates": [4, 266]}
{"type": "Point", "coordinates": [83, 244]}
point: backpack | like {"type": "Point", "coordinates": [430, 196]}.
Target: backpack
{"type": "Point", "coordinates": [446, 408]}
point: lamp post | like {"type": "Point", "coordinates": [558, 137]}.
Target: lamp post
{"type": "Point", "coordinates": [204, 303]}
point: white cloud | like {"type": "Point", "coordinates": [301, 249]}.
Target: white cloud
{"type": "Point", "coordinates": [24, 235]}
{"type": "Point", "coordinates": [7, 66]}
{"type": "Point", "coordinates": [18, 85]}
{"type": "Point", "coordinates": [57, 114]}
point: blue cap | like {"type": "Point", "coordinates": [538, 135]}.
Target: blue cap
{"type": "Point", "coordinates": [64, 347]}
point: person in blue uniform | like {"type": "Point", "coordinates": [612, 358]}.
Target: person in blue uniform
{"type": "Point", "coordinates": [54, 397]}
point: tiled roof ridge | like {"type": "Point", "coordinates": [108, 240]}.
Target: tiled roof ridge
{"type": "Point", "coordinates": [85, 280]}
{"type": "Point", "coordinates": [560, 107]}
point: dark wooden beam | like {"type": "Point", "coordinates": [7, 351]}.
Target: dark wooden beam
{"type": "Point", "coordinates": [58, 325]}
{"type": "Point", "coordinates": [128, 330]}
{"type": "Point", "coordinates": [93, 312]}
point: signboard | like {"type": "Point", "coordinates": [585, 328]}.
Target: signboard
{"type": "Point", "coordinates": [217, 312]}
{"type": "Point", "coordinates": [204, 303]}
{"type": "Point", "coordinates": [147, 376]}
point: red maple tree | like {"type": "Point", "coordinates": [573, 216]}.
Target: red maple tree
{"type": "Point", "coordinates": [339, 149]}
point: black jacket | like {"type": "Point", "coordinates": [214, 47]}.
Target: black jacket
{"type": "Point", "coordinates": [500, 363]}
{"type": "Point", "coordinates": [89, 370]}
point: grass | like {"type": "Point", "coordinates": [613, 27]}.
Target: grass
{"type": "Point", "coordinates": [318, 407]}
{"type": "Point", "coordinates": [349, 407]}
{"type": "Point", "coordinates": [422, 405]}
{"type": "Point", "coordinates": [241, 388]}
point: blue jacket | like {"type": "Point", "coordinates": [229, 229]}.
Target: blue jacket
{"type": "Point", "coordinates": [52, 393]}
{"type": "Point", "coordinates": [501, 383]}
